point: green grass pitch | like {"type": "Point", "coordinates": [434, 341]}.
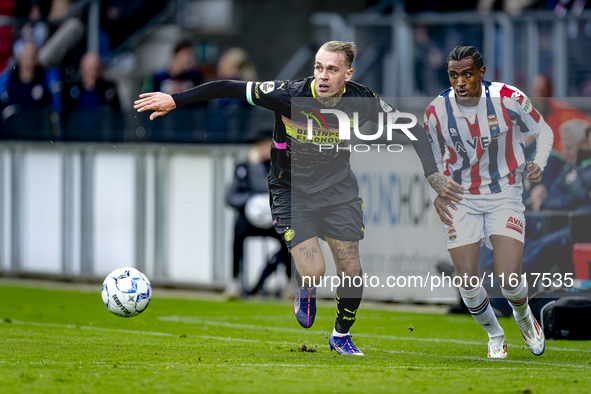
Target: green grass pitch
{"type": "Point", "coordinates": [65, 341]}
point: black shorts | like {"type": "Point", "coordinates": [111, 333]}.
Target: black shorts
{"type": "Point", "coordinates": [335, 212]}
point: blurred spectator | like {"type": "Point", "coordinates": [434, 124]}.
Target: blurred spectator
{"type": "Point", "coordinates": [121, 18]}
{"type": "Point", "coordinates": [440, 6]}
{"type": "Point", "coordinates": [555, 113]}
{"type": "Point", "coordinates": [572, 188]}
{"type": "Point", "coordinates": [566, 191]}
{"type": "Point", "coordinates": [511, 7]}
{"type": "Point", "coordinates": [59, 9]}
{"type": "Point", "coordinates": [430, 61]}
{"type": "Point", "coordinates": [574, 143]}
{"type": "Point", "coordinates": [182, 73]}
{"type": "Point", "coordinates": [250, 187]}
{"type": "Point", "coordinates": [32, 10]}
{"type": "Point", "coordinates": [230, 119]}
{"type": "Point", "coordinates": [91, 104]}
{"type": "Point", "coordinates": [30, 100]}
{"type": "Point", "coordinates": [6, 29]}
{"type": "Point", "coordinates": [533, 197]}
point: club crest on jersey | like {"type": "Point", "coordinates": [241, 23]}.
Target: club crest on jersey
{"type": "Point", "coordinates": [451, 234]}
{"type": "Point", "coordinates": [515, 224]}
{"type": "Point", "coordinates": [493, 123]}
{"type": "Point", "coordinates": [267, 87]}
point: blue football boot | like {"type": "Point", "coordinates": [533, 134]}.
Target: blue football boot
{"type": "Point", "coordinates": [304, 306]}
{"type": "Point", "coordinates": [344, 345]}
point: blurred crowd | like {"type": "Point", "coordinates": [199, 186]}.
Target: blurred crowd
{"type": "Point", "coordinates": [52, 88]}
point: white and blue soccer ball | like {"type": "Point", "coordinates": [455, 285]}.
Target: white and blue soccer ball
{"type": "Point", "coordinates": [126, 292]}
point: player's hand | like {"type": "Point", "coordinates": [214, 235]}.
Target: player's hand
{"type": "Point", "coordinates": [536, 197]}
{"type": "Point", "coordinates": [446, 187]}
{"type": "Point", "coordinates": [535, 173]}
{"type": "Point", "coordinates": [445, 215]}
{"type": "Point", "coordinates": [160, 103]}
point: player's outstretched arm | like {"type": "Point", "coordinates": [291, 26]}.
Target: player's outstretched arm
{"type": "Point", "coordinates": [160, 103]}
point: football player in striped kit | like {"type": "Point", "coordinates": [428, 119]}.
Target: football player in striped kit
{"type": "Point", "coordinates": [476, 129]}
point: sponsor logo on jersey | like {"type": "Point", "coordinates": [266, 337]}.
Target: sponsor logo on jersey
{"type": "Point", "coordinates": [385, 106]}
{"type": "Point", "coordinates": [493, 123]}
{"type": "Point", "coordinates": [267, 87]}
{"type": "Point", "coordinates": [515, 224]}
{"type": "Point", "coordinates": [526, 105]}
{"type": "Point", "coordinates": [256, 90]}
{"type": "Point", "coordinates": [451, 234]}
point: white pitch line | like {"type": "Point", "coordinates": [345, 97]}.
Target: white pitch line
{"type": "Point", "coordinates": [197, 320]}
{"type": "Point", "coordinates": [479, 358]}
{"type": "Point", "coordinates": [271, 365]}
{"type": "Point", "coordinates": [91, 328]}
{"type": "Point", "coordinates": [373, 367]}
{"type": "Point", "coordinates": [285, 343]}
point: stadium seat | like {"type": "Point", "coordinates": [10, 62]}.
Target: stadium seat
{"type": "Point", "coordinates": [582, 260]}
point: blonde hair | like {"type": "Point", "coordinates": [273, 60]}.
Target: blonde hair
{"type": "Point", "coordinates": [347, 49]}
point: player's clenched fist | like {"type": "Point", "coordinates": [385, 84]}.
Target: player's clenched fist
{"type": "Point", "coordinates": [535, 173]}
{"type": "Point", "coordinates": [441, 204]}
{"type": "Point", "coordinates": [160, 103]}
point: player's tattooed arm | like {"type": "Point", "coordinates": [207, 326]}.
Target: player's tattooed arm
{"type": "Point", "coordinates": [446, 187]}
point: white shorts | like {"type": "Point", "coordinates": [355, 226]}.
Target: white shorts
{"type": "Point", "coordinates": [480, 216]}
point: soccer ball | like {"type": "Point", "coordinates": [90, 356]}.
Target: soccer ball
{"type": "Point", "coordinates": [126, 292]}
{"type": "Point", "coordinates": [258, 211]}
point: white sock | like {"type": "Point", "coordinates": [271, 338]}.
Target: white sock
{"type": "Point", "coordinates": [518, 300]}
{"type": "Point", "coordinates": [478, 304]}
{"type": "Point", "coordinates": [337, 334]}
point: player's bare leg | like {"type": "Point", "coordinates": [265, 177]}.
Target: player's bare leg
{"type": "Point", "coordinates": [348, 294]}
{"type": "Point", "coordinates": [508, 254]}
{"type": "Point", "coordinates": [310, 268]}
{"type": "Point", "coordinates": [466, 259]}
{"type": "Point", "coordinates": [309, 262]}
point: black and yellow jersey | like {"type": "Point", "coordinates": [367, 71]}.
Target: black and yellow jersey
{"type": "Point", "coordinates": [296, 159]}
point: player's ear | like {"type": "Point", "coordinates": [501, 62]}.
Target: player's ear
{"type": "Point", "coordinates": [481, 72]}
{"type": "Point", "coordinates": [348, 75]}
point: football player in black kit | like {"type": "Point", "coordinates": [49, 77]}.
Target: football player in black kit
{"type": "Point", "coordinates": [314, 193]}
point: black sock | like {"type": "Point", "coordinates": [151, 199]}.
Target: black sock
{"type": "Point", "coordinates": [348, 298]}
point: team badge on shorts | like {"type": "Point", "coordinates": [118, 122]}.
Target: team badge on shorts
{"type": "Point", "coordinates": [288, 235]}
{"type": "Point", "coordinates": [451, 234]}
{"type": "Point", "coordinates": [493, 123]}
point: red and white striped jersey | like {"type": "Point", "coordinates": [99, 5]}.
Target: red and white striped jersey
{"type": "Point", "coordinates": [486, 153]}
